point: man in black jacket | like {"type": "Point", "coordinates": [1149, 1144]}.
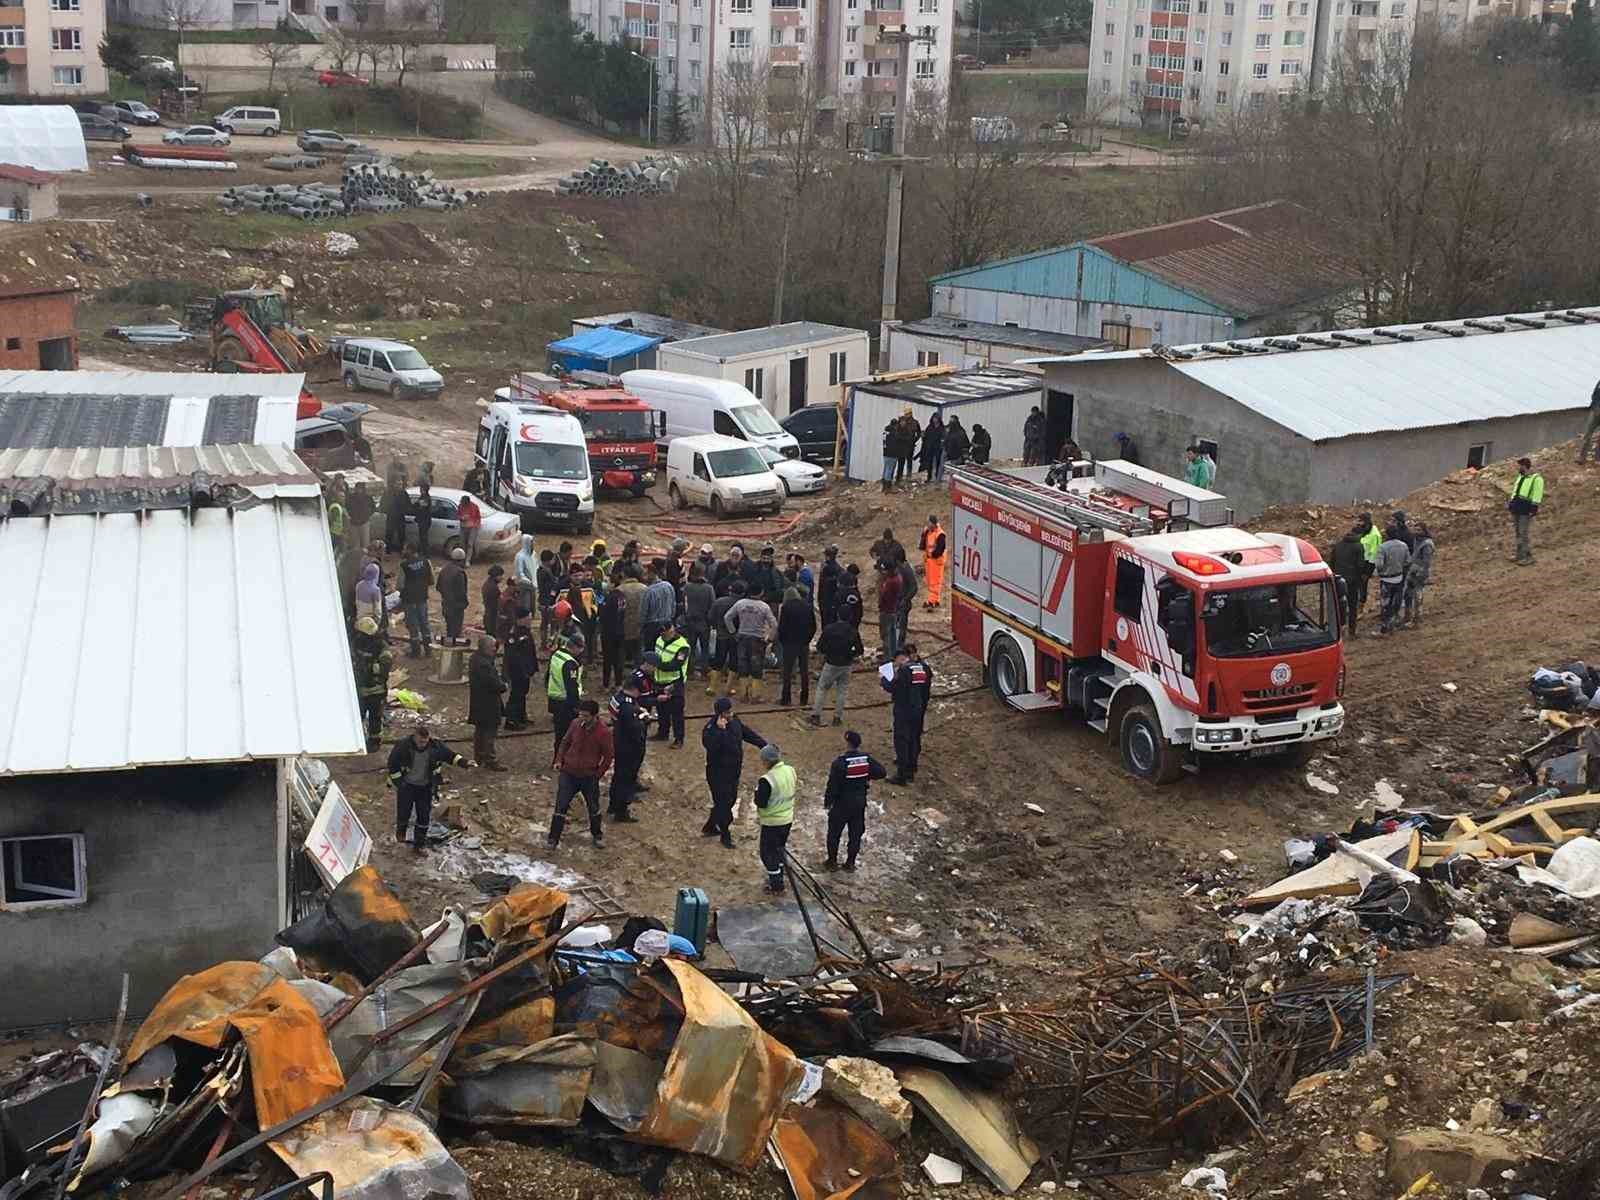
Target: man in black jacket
{"type": "Point", "coordinates": [415, 578]}
{"type": "Point", "coordinates": [1349, 562]}
{"type": "Point", "coordinates": [797, 625]}
{"type": "Point", "coordinates": [484, 691]}
{"type": "Point", "coordinates": [613, 629]}
{"type": "Point", "coordinates": [452, 586]}
{"type": "Point", "coordinates": [909, 690]}
{"type": "Point", "coordinates": [850, 605]}
{"type": "Point", "coordinates": [415, 766]}
{"type": "Point", "coordinates": [828, 593]}
{"type": "Point", "coordinates": [395, 506]}
{"type": "Point", "coordinates": [629, 727]}
{"type": "Point", "coordinates": [724, 738]}
{"type": "Point", "coordinates": [422, 514]}
{"type": "Point", "coordinates": [840, 646]}
{"type": "Point", "coordinates": [491, 601]}
{"type": "Point", "coordinates": [522, 667]}
{"type": "Point", "coordinates": [845, 800]}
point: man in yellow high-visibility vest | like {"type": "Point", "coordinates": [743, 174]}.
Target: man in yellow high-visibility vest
{"type": "Point", "coordinates": [1527, 493]}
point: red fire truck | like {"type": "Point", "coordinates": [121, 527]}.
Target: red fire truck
{"type": "Point", "coordinates": [1126, 596]}
{"type": "Point", "coordinates": [619, 428]}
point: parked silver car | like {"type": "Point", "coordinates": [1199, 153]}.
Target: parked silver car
{"type": "Point", "coordinates": [131, 112]}
{"type": "Point", "coordinates": [196, 135]}
{"type": "Point", "coordinates": [496, 535]}
{"type": "Point", "coordinates": [326, 139]}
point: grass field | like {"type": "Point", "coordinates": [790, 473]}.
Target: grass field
{"type": "Point", "coordinates": [1061, 91]}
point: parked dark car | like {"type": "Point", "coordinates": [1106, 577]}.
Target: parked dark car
{"type": "Point", "coordinates": [816, 428]}
{"type": "Point", "coordinates": [102, 129]}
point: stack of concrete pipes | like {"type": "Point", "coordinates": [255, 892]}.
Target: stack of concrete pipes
{"type": "Point", "coordinates": [646, 177]}
{"type": "Point", "coordinates": [366, 187]}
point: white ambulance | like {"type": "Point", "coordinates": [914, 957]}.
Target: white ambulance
{"type": "Point", "coordinates": [538, 463]}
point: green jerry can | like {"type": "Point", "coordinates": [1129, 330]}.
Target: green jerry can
{"type": "Point", "coordinates": [692, 918]}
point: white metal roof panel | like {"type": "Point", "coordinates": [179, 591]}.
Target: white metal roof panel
{"type": "Point", "coordinates": [46, 137]}
{"type": "Point", "coordinates": [768, 339]}
{"type": "Point", "coordinates": [173, 636]}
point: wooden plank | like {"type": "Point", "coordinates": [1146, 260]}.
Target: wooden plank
{"type": "Point", "coordinates": [1443, 849]}
{"type": "Point", "coordinates": [1547, 825]}
{"type": "Point", "coordinates": [1563, 805]}
{"type": "Point", "coordinates": [1338, 874]}
{"type": "Point", "coordinates": [1528, 929]}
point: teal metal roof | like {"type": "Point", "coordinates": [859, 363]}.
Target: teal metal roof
{"type": "Point", "coordinates": [1079, 272]}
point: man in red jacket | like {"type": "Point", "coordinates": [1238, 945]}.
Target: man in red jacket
{"type": "Point", "coordinates": [582, 757]}
{"type": "Point", "coordinates": [889, 589]}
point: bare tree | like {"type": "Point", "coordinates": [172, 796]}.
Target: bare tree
{"type": "Point", "coordinates": [792, 133]}
{"type": "Point", "coordinates": [181, 16]}
{"type": "Point", "coordinates": [738, 119]}
{"type": "Point", "coordinates": [403, 35]}
{"type": "Point", "coordinates": [272, 49]}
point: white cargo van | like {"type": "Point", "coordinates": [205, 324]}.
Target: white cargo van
{"type": "Point", "coordinates": [724, 474]}
{"type": "Point", "coordinates": [538, 463]}
{"type": "Point", "coordinates": [694, 405]}
{"type": "Point", "coordinates": [379, 365]}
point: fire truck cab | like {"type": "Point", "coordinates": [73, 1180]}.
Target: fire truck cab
{"type": "Point", "coordinates": [619, 429]}
{"type": "Point", "coordinates": [1126, 596]}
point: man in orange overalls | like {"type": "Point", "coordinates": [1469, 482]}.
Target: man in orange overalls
{"type": "Point", "coordinates": [934, 548]}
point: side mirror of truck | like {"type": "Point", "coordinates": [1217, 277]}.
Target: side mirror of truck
{"type": "Point", "coordinates": [1342, 590]}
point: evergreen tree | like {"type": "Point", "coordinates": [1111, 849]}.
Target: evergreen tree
{"type": "Point", "coordinates": [674, 122]}
{"type": "Point", "coordinates": [120, 53]}
{"type": "Point", "coordinates": [1580, 50]}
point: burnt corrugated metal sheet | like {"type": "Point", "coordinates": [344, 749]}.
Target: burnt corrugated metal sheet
{"type": "Point", "coordinates": [131, 478]}
{"type": "Point", "coordinates": [32, 422]}
{"type": "Point", "coordinates": [48, 409]}
{"type": "Point", "coordinates": [1249, 261]}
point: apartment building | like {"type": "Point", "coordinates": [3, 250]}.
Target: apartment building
{"type": "Point", "coordinates": [1151, 60]}
{"type": "Point", "coordinates": [690, 41]}
{"type": "Point", "coordinates": [52, 47]}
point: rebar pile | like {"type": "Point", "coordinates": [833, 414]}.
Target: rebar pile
{"type": "Point", "coordinates": [644, 177]}
{"type": "Point", "coordinates": [365, 187]}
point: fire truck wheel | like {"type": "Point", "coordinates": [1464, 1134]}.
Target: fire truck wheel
{"type": "Point", "coordinates": [1007, 676]}
{"type": "Point", "coordinates": [1145, 752]}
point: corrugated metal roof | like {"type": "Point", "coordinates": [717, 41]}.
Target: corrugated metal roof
{"type": "Point", "coordinates": [1356, 381]}
{"type": "Point", "coordinates": [1241, 263]}
{"type": "Point", "coordinates": [134, 478]}
{"type": "Point", "coordinates": [1003, 335]}
{"type": "Point", "coordinates": [669, 329]}
{"type": "Point", "coordinates": [42, 409]}
{"type": "Point", "coordinates": [957, 387]}
{"type": "Point", "coordinates": [794, 334]}
{"type": "Point", "coordinates": [182, 635]}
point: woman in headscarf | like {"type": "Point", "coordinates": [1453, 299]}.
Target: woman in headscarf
{"type": "Point", "coordinates": [956, 442]}
{"type": "Point", "coordinates": [932, 457]}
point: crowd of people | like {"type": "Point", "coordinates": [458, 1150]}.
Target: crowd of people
{"type": "Point", "coordinates": [908, 446]}
{"type": "Point", "coordinates": [657, 623]}
{"type": "Point", "coordinates": [1400, 557]}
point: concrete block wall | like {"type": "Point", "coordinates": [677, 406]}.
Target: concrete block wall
{"type": "Point", "coordinates": [184, 870]}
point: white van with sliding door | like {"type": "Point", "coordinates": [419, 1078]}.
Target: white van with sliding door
{"type": "Point", "coordinates": [724, 474]}
{"type": "Point", "coordinates": [693, 405]}
{"type": "Point", "coordinates": [538, 463]}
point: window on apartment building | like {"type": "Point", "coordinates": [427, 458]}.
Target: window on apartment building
{"type": "Point", "coordinates": [1138, 5]}
{"type": "Point", "coordinates": [616, 28]}
{"type": "Point", "coordinates": [927, 358]}
{"type": "Point", "coordinates": [799, 34]}
{"type": "Point", "coordinates": [1133, 87]}
{"type": "Point", "coordinates": [1158, 33]}
{"type": "Point", "coordinates": [65, 5]}
{"type": "Point", "coordinates": [1258, 99]}
{"type": "Point", "coordinates": [1265, 11]}
{"type": "Point", "coordinates": [1289, 68]}
{"type": "Point", "coordinates": [694, 68]}
{"type": "Point", "coordinates": [1111, 29]}
{"type": "Point", "coordinates": [694, 103]}
{"type": "Point", "coordinates": [652, 29]}
{"type": "Point", "coordinates": [924, 68]}
{"type": "Point", "coordinates": [1259, 70]}
{"type": "Point", "coordinates": [1222, 67]}
{"type": "Point", "coordinates": [1201, 6]}
{"type": "Point", "coordinates": [1199, 38]}
{"type": "Point", "coordinates": [1295, 37]}
{"type": "Point", "coordinates": [672, 31]}
{"type": "Point", "coordinates": [671, 67]}
{"type": "Point", "coordinates": [738, 39]}
{"type": "Point", "coordinates": [13, 38]}
{"type": "Point", "coordinates": [850, 32]}
{"type": "Point", "coordinates": [930, 33]}
{"type": "Point", "coordinates": [1138, 60]}
{"type": "Point", "coordinates": [66, 39]}
{"type": "Point", "coordinates": [1177, 34]}
{"type": "Point", "coordinates": [1338, 38]}
{"type": "Point", "coordinates": [1305, 8]}
{"type": "Point", "coordinates": [741, 6]}
{"type": "Point", "coordinates": [753, 379]}
{"type": "Point", "coordinates": [1398, 8]}
{"type": "Point", "coordinates": [67, 76]}
{"type": "Point", "coordinates": [1263, 41]}
{"type": "Point", "coordinates": [1106, 56]}
{"type": "Point", "coordinates": [1197, 64]}
{"type": "Point", "coordinates": [635, 27]}
{"type": "Point", "coordinates": [1180, 6]}
{"type": "Point", "coordinates": [1194, 93]}
{"type": "Point", "coordinates": [1222, 95]}
{"type": "Point", "coordinates": [927, 6]}
{"type": "Point", "coordinates": [695, 33]}
{"type": "Point", "coordinates": [586, 22]}
{"type": "Point", "coordinates": [1105, 86]}
{"type": "Point", "coordinates": [1227, 37]}
{"type": "Point", "coordinates": [776, 34]}
{"type": "Point", "coordinates": [849, 66]}
{"type": "Point", "coordinates": [42, 870]}
{"type": "Point", "coordinates": [1138, 31]}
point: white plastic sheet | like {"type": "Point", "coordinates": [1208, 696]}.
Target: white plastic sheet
{"type": "Point", "coordinates": [46, 137]}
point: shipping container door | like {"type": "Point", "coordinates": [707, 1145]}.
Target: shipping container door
{"type": "Point", "coordinates": [971, 553]}
{"type": "Point", "coordinates": [1016, 572]}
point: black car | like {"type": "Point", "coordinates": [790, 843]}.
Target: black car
{"type": "Point", "coordinates": [102, 129]}
{"type": "Point", "coordinates": [816, 428]}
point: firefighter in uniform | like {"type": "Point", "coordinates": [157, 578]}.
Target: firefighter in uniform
{"type": "Point", "coordinates": [908, 689]}
{"type": "Point", "coordinates": [563, 684]}
{"type": "Point", "coordinates": [845, 800]}
{"type": "Point", "coordinates": [775, 811]}
{"type": "Point", "coordinates": [672, 669]}
{"type": "Point", "coordinates": [629, 729]}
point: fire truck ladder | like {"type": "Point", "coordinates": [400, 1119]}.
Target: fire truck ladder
{"type": "Point", "coordinates": [1086, 512]}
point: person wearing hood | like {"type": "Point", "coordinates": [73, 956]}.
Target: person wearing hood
{"type": "Point", "coordinates": [1418, 573]}
{"type": "Point", "coordinates": [416, 577]}
{"type": "Point", "coordinates": [485, 695]}
{"type": "Point", "coordinates": [957, 444]}
{"type": "Point", "coordinates": [372, 662]}
{"type": "Point", "coordinates": [797, 625]}
{"type": "Point", "coordinates": [369, 596]}
{"type": "Point", "coordinates": [828, 590]}
{"type": "Point", "coordinates": [931, 458]}
{"type": "Point", "coordinates": [775, 792]}
{"type": "Point", "coordinates": [1033, 448]}
{"type": "Point", "coordinates": [724, 739]}
{"type": "Point", "coordinates": [1349, 562]}
{"type": "Point", "coordinates": [981, 444]}
{"type": "Point", "coordinates": [452, 588]}
{"type": "Point", "coordinates": [522, 668]}
{"type": "Point", "coordinates": [1127, 448]}
{"type": "Point", "coordinates": [1394, 560]}
{"type": "Point", "coordinates": [422, 514]}
{"type": "Point", "coordinates": [395, 506]}
{"type": "Point", "coordinates": [524, 568]}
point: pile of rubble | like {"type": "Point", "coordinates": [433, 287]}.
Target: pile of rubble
{"type": "Point", "coordinates": [643, 177]}
{"type": "Point", "coordinates": [365, 187]}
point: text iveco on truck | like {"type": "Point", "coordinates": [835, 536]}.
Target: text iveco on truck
{"type": "Point", "coordinates": [1120, 594]}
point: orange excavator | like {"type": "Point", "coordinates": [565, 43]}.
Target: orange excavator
{"type": "Point", "coordinates": [251, 331]}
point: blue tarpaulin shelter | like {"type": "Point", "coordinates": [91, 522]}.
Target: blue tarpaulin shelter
{"type": "Point", "coordinates": [610, 350]}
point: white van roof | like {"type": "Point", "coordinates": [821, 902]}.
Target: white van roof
{"type": "Point", "coordinates": [550, 424]}
{"type": "Point", "coordinates": [705, 443]}
{"type": "Point", "coordinates": [642, 382]}
{"type": "Point", "coordinates": [378, 344]}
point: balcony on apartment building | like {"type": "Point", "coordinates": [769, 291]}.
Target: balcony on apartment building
{"type": "Point", "coordinates": [886, 12]}
{"type": "Point", "coordinates": [880, 83]}
{"type": "Point", "coordinates": [786, 18]}
{"type": "Point", "coordinates": [784, 56]}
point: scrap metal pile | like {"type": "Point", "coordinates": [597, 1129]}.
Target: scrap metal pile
{"type": "Point", "coordinates": [643, 177]}
{"type": "Point", "coordinates": [341, 1056]}
{"type": "Point", "coordinates": [365, 187]}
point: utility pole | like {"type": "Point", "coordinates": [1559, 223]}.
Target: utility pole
{"type": "Point", "coordinates": [897, 184]}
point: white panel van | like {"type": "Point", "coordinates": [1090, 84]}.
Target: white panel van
{"type": "Point", "coordinates": [724, 474]}
{"type": "Point", "coordinates": [693, 405]}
